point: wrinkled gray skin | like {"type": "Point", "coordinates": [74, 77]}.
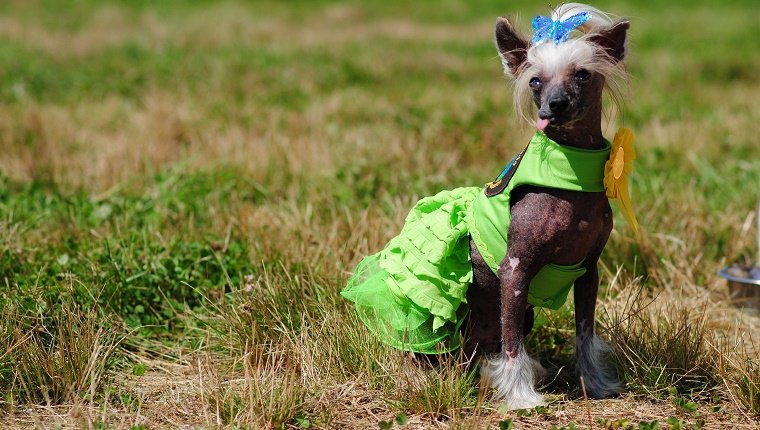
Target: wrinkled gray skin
{"type": "Point", "coordinates": [548, 225]}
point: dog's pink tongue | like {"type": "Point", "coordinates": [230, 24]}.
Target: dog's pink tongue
{"type": "Point", "coordinates": [541, 123]}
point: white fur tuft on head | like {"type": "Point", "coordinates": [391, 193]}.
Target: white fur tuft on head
{"type": "Point", "coordinates": [597, 21]}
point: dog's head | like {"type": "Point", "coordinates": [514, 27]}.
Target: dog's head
{"type": "Point", "coordinates": [564, 79]}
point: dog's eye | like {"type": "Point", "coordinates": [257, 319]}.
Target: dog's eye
{"type": "Point", "coordinates": [582, 75]}
{"type": "Point", "coordinates": [534, 83]}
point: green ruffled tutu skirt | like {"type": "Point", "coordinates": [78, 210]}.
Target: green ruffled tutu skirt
{"type": "Point", "coordinates": [412, 293]}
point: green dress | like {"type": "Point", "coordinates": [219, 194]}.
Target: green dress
{"type": "Point", "coordinates": [412, 294]}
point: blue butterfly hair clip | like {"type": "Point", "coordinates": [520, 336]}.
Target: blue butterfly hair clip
{"type": "Point", "coordinates": [558, 31]}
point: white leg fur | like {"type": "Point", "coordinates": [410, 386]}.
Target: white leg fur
{"type": "Point", "coordinates": [513, 379]}
{"type": "Point", "coordinates": [599, 376]}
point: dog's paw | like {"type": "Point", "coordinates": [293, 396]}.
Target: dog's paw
{"type": "Point", "coordinates": [513, 380]}
{"type": "Point", "coordinates": [599, 376]}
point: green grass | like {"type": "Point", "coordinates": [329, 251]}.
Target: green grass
{"type": "Point", "coordinates": [185, 186]}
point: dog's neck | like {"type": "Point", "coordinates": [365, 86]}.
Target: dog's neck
{"type": "Point", "coordinates": [584, 133]}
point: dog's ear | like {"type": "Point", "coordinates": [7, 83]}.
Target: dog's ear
{"type": "Point", "coordinates": [614, 40]}
{"type": "Point", "coordinates": [512, 46]}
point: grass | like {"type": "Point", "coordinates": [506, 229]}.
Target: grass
{"type": "Point", "coordinates": [684, 367]}
{"type": "Point", "coordinates": [185, 186]}
{"type": "Point", "coordinates": [60, 355]}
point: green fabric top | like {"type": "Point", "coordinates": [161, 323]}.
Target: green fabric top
{"type": "Point", "coordinates": [545, 164]}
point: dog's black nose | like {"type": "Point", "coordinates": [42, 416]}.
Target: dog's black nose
{"type": "Point", "coordinates": [558, 104]}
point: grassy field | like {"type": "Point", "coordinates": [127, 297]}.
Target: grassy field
{"type": "Point", "coordinates": [185, 185]}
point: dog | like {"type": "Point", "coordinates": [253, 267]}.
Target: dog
{"type": "Point", "coordinates": [470, 263]}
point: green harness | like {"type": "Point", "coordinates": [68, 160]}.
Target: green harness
{"type": "Point", "coordinates": [546, 164]}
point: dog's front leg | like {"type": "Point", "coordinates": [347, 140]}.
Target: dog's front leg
{"type": "Point", "coordinates": [592, 352]}
{"type": "Point", "coordinates": [512, 372]}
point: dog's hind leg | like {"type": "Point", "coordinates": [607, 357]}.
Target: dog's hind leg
{"type": "Point", "coordinates": [593, 354]}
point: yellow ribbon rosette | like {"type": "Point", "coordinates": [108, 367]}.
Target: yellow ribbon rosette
{"type": "Point", "coordinates": [616, 172]}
